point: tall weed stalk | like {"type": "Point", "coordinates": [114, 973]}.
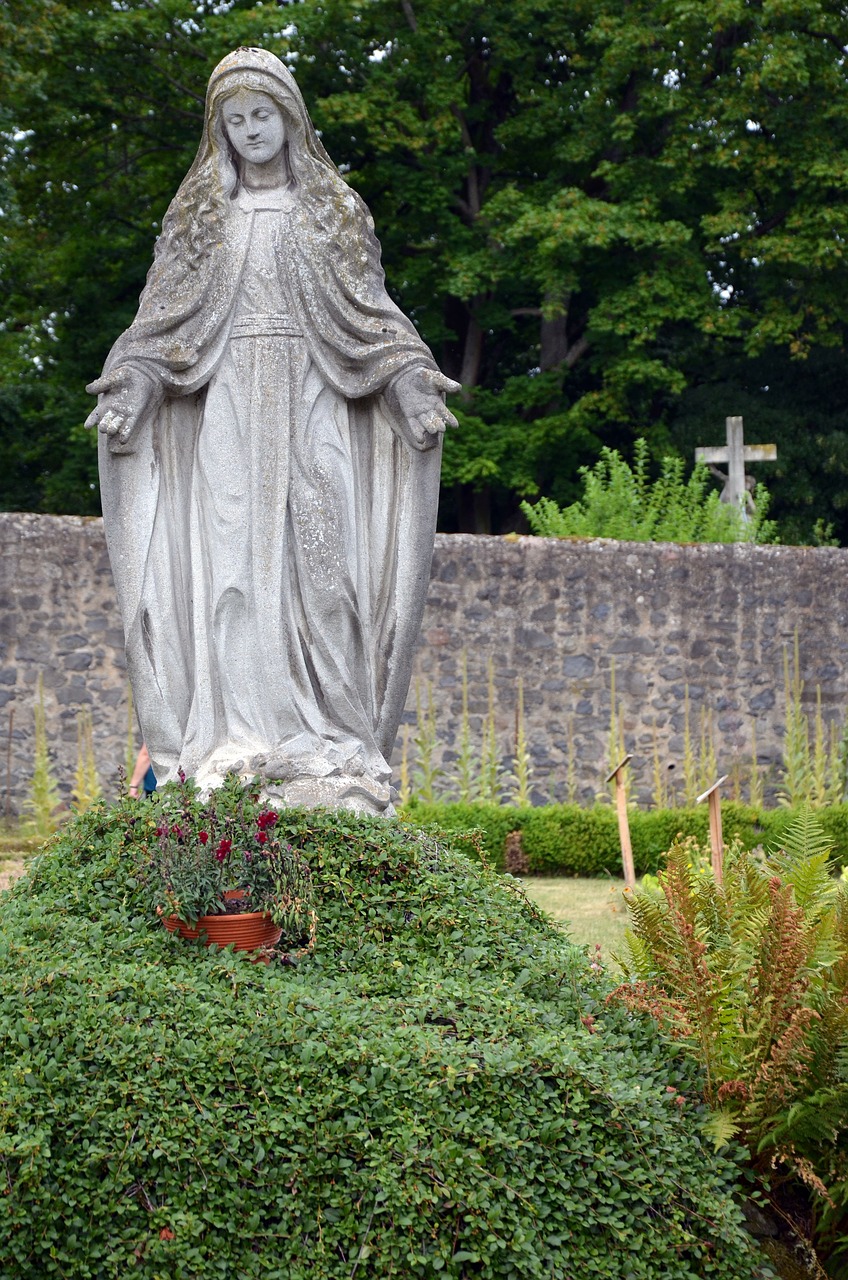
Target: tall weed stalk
{"type": "Point", "coordinates": [86, 790]}
{"type": "Point", "coordinates": [467, 768]}
{"type": "Point", "coordinates": [690, 762]}
{"type": "Point", "coordinates": [835, 783]}
{"type": "Point", "coordinates": [796, 742]}
{"type": "Point", "coordinates": [570, 763]}
{"type": "Point", "coordinates": [43, 802]}
{"type": "Point", "coordinates": [755, 786]}
{"type": "Point", "coordinates": [616, 749]}
{"type": "Point", "coordinates": [660, 796]}
{"type": "Point", "coordinates": [427, 771]}
{"type": "Point", "coordinates": [707, 760]}
{"type": "Point", "coordinates": [819, 765]}
{"type": "Point", "coordinates": [491, 772]}
{"type": "Point", "coordinates": [405, 784]}
{"type": "Point", "coordinates": [522, 764]}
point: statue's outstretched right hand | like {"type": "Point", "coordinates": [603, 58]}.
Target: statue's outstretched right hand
{"type": "Point", "coordinates": [126, 395]}
{"type": "Point", "coordinates": [416, 398]}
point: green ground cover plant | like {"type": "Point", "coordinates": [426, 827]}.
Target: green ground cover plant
{"type": "Point", "coordinates": [567, 840]}
{"type": "Point", "coordinates": [750, 976]}
{"type": "Point", "coordinates": [437, 1089]}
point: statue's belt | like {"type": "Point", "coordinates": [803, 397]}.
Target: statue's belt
{"type": "Point", "coordinates": [266, 326]}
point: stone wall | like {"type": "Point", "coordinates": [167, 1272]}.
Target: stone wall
{"type": "Point", "coordinates": [559, 616]}
{"type": "Point", "coordinates": [708, 624]}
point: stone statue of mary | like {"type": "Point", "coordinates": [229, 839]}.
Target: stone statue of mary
{"type": "Point", "coordinates": [270, 440]}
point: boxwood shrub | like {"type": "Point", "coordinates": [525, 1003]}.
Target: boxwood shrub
{"type": "Point", "coordinates": [438, 1089]}
{"type": "Point", "coordinates": [566, 840]}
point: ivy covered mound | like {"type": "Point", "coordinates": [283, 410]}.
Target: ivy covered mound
{"type": "Point", "coordinates": [437, 1089]}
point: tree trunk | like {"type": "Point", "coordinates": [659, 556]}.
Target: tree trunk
{"type": "Point", "coordinates": [553, 341]}
{"type": "Point", "coordinates": [472, 357]}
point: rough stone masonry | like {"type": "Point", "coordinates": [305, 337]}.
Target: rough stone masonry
{"type": "Point", "coordinates": [558, 614]}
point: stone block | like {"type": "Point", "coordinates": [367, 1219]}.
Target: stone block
{"type": "Point", "coordinates": [528, 638]}
{"type": "Point", "coordinates": [578, 666]}
{"type": "Point", "coordinates": [76, 662]}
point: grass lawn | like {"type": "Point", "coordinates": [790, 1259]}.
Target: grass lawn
{"type": "Point", "coordinates": [592, 910]}
{"type": "Point", "coordinates": [10, 869]}
{"type": "Point", "coordinates": [14, 849]}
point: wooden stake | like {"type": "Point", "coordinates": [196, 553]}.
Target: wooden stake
{"type": "Point", "coordinates": [623, 823]}
{"type": "Point", "coordinates": [716, 842]}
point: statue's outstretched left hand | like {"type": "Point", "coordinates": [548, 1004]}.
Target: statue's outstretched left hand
{"type": "Point", "coordinates": [417, 401]}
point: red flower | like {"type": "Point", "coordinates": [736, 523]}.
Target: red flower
{"type": "Point", "coordinates": [177, 831]}
{"type": "Point", "coordinates": [262, 837]}
{"type": "Point", "coordinates": [266, 819]}
{"type": "Point", "coordinates": [203, 836]}
{"type": "Point", "coordinates": [223, 849]}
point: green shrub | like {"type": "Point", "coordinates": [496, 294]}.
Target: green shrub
{"type": "Point", "coordinates": [491, 824]}
{"type": "Point", "coordinates": [620, 501]}
{"type": "Point", "coordinates": [565, 840]}
{"type": "Point", "coordinates": [436, 1090]}
{"type": "Point", "coordinates": [586, 840]}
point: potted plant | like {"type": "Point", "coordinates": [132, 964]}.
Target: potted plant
{"type": "Point", "coordinates": [220, 869]}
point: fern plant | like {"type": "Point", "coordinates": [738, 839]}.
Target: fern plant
{"type": "Point", "coordinates": [751, 977]}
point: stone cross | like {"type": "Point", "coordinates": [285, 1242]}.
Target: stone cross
{"type": "Point", "coordinates": [736, 454]}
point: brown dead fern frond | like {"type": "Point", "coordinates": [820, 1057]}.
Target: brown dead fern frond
{"type": "Point", "coordinates": [643, 997]}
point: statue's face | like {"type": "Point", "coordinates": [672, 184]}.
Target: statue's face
{"type": "Point", "coordinates": [254, 125]}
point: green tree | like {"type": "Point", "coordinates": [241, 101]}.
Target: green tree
{"type": "Point", "coordinates": [591, 210]}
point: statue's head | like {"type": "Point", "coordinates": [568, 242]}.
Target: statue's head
{"type": "Point", "coordinates": [253, 83]}
{"type": "Point", "coordinates": [254, 110]}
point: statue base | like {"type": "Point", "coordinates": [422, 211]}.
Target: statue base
{"type": "Point", "coordinates": [311, 781]}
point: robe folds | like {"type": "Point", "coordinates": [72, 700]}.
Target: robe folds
{"type": "Point", "coordinates": [269, 522]}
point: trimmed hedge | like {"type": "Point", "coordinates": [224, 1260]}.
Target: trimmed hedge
{"type": "Point", "coordinates": [566, 840]}
{"type": "Point", "coordinates": [438, 1090]}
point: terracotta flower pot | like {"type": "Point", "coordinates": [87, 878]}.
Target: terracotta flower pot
{"type": "Point", "coordinates": [245, 931]}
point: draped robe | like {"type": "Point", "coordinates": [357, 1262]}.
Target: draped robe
{"type": "Point", "coordinates": [270, 526]}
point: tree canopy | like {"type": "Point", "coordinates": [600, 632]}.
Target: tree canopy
{"type": "Point", "coordinates": [609, 218]}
